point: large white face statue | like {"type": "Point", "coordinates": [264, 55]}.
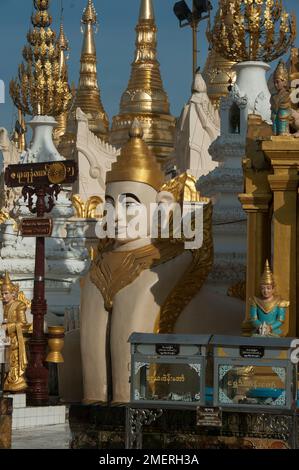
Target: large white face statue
{"type": "Point", "coordinates": [129, 198]}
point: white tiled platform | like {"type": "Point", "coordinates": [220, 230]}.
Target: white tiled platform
{"type": "Point", "coordinates": [51, 437]}
{"type": "Point", "coordinates": [19, 400]}
{"type": "Point", "coordinates": [27, 417]}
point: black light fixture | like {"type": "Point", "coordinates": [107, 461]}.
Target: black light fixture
{"type": "Point", "coordinates": [192, 18]}
{"type": "Point", "coordinates": [182, 12]}
{"type": "Point", "coordinates": [202, 6]}
{"type": "Point", "coordinates": [186, 16]}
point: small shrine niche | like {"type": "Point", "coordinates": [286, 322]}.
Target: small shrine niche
{"type": "Point", "coordinates": [234, 119]}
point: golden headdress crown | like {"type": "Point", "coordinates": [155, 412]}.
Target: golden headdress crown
{"type": "Point", "coordinates": [267, 277]}
{"type": "Point", "coordinates": [281, 72]}
{"type": "Point", "coordinates": [136, 162]}
{"type": "Point", "coordinates": [6, 281]}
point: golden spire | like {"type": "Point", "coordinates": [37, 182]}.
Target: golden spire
{"type": "Point", "coordinates": [252, 30]}
{"type": "Point", "coordinates": [40, 88]}
{"type": "Point", "coordinates": [146, 10]}
{"type": "Point", "coordinates": [63, 46]}
{"type": "Point", "coordinates": [136, 162]}
{"type": "Point", "coordinates": [88, 96]}
{"type": "Point", "coordinates": [267, 277]}
{"type": "Point", "coordinates": [145, 97]}
{"type": "Point", "coordinates": [218, 75]}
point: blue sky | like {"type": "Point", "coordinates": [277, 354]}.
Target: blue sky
{"type": "Point", "coordinates": [115, 46]}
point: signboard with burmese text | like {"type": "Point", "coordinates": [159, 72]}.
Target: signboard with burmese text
{"type": "Point", "coordinates": [39, 174]}
{"type": "Point", "coordinates": [38, 227]}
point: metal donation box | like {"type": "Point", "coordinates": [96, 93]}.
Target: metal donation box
{"type": "Point", "coordinates": [168, 369]}
{"type": "Point", "coordinates": [254, 372]}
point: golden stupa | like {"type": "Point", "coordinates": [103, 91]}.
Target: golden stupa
{"type": "Point", "coordinates": [145, 97]}
{"type": "Point", "coordinates": [88, 96]}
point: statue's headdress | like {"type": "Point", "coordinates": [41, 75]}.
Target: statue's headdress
{"type": "Point", "coordinates": [281, 72]}
{"type": "Point", "coordinates": [136, 162]}
{"type": "Point", "coordinates": [267, 277]}
{"type": "Point", "coordinates": [6, 281]}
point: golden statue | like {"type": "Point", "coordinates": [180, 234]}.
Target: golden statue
{"type": "Point", "coordinates": [268, 313]}
{"type": "Point", "coordinates": [14, 322]}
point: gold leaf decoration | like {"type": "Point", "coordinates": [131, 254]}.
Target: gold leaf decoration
{"type": "Point", "coordinates": [41, 87]}
{"type": "Point", "coordinates": [184, 190]}
{"type": "Point", "coordinates": [88, 209]}
{"type": "Point", "coordinates": [252, 30]}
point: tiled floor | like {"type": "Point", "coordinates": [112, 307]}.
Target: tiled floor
{"type": "Point", "coordinates": [27, 417]}
{"type": "Point", "coordinates": [46, 437]}
{"type": "Point", "coordinates": [39, 416]}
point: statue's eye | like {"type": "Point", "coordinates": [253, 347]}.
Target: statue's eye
{"type": "Point", "coordinates": [130, 203]}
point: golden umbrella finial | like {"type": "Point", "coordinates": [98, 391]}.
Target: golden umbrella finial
{"type": "Point", "coordinates": [40, 89]}
{"type": "Point", "coordinates": [62, 40]}
{"type": "Point", "coordinates": [89, 14]}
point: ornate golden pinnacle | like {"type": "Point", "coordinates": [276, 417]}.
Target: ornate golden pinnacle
{"type": "Point", "coordinates": [252, 30]}
{"type": "Point", "coordinates": [41, 87]}
{"type": "Point", "coordinates": [89, 14]}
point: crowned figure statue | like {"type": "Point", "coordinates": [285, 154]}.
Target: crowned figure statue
{"type": "Point", "coordinates": [280, 101]}
{"type": "Point", "coordinates": [144, 282]}
{"type": "Point", "coordinates": [14, 322]}
{"type": "Point", "coordinates": [268, 313]}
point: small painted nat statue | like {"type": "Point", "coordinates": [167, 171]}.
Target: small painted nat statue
{"type": "Point", "coordinates": [268, 312]}
{"type": "Point", "coordinates": [281, 107]}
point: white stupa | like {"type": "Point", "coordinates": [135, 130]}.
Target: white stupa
{"type": "Point", "coordinates": [249, 95]}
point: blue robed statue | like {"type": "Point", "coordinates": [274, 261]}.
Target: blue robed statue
{"type": "Point", "coordinates": [268, 313]}
{"type": "Point", "coordinates": [281, 107]}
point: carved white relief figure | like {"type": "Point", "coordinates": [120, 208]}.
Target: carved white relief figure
{"type": "Point", "coordinates": [198, 127]}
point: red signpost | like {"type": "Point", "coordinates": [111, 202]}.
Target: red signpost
{"type": "Point", "coordinates": [42, 180]}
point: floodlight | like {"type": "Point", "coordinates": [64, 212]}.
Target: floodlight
{"type": "Point", "coordinates": [202, 6]}
{"type": "Point", "coordinates": [182, 12]}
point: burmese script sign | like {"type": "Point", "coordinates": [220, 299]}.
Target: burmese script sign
{"type": "Point", "coordinates": [38, 227]}
{"type": "Point", "coordinates": [252, 352]}
{"type": "Point", "coordinates": [167, 349]}
{"type": "Point", "coordinates": [39, 174]}
{"type": "Point", "coordinates": [210, 417]}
